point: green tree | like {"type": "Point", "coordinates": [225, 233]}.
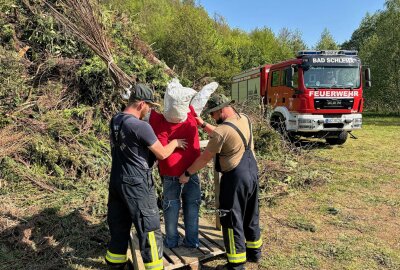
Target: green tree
{"type": "Point", "coordinates": [291, 41]}
{"type": "Point", "coordinates": [326, 41]}
{"type": "Point", "coordinates": [265, 41]}
{"type": "Point", "coordinates": [381, 52]}
{"type": "Point", "coordinates": [153, 16]}
{"type": "Point", "coordinates": [366, 29]}
{"type": "Point", "coordinates": [192, 44]}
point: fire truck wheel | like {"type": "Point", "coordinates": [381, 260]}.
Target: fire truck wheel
{"type": "Point", "coordinates": [278, 123]}
{"type": "Point", "coordinates": [275, 120]}
{"type": "Point", "coordinates": [339, 140]}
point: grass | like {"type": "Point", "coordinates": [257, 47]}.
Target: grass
{"type": "Point", "coordinates": [356, 214]}
{"type": "Point", "coordinates": [347, 220]}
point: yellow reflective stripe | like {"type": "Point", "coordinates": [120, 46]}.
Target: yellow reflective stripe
{"type": "Point", "coordinates": [155, 265]}
{"type": "Point", "coordinates": [150, 236]}
{"type": "Point", "coordinates": [255, 244]}
{"type": "Point", "coordinates": [116, 258]}
{"type": "Point", "coordinates": [236, 258]}
{"type": "Point", "coordinates": [236, 255]}
{"type": "Point", "coordinates": [231, 241]}
{"type": "Point", "coordinates": [153, 246]}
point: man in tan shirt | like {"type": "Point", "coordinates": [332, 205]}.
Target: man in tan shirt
{"type": "Point", "coordinates": [231, 142]}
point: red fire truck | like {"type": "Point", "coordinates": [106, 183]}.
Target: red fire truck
{"type": "Point", "coordinates": [317, 94]}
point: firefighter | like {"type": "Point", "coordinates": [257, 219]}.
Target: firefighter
{"type": "Point", "coordinates": [231, 142]}
{"type": "Point", "coordinates": [132, 197]}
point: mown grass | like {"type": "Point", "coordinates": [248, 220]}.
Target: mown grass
{"type": "Point", "coordinates": [356, 214]}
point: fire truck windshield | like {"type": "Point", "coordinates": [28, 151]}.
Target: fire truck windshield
{"type": "Point", "coordinates": [332, 77]}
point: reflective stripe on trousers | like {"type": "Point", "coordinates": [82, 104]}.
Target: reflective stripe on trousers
{"type": "Point", "coordinates": [255, 244]}
{"type": "Point", "coordinates": [234, 257]}
{"type": "Point", "coordinates": [116, 258]}
{"type": "Point", "coordinates": [156, 263]}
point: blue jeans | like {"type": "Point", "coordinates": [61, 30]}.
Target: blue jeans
{"type": "Point", "coordinates": [191, 199]}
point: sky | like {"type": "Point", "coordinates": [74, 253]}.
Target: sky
{"type": "Point", "coordinates": [310, 17]}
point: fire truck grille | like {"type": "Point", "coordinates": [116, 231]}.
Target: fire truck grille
{"type": "Point", "coordinates": [333, 103]}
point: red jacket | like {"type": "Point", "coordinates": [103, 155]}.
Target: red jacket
{"type": "Point", "coordinates": [180, 159]}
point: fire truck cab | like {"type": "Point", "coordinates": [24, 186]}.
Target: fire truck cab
{"type": "Point", "coordinates": [317, 94]}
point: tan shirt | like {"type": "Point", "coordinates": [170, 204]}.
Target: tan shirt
{"type": "Point", "coordinates": [227, 141]}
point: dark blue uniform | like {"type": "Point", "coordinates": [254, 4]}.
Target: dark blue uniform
{"type": "Point", "coordinates": [132, 196]}
{"type": "Point", "coordinates": [238, 208]}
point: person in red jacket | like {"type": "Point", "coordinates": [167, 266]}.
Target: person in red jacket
{"type": "Point", "coordinates": [170, 169]}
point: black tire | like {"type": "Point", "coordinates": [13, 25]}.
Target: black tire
{"type": "Point", "coordinates": [278, 123]}
{"type": "Point", "coordinates": [339, 140]}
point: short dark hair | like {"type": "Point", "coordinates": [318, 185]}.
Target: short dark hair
{"type": "Point", "coordinates": [132, 101]}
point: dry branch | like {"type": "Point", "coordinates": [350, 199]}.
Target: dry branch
{"type": "Point", "coordinates": [81, 18]}
{"type": "Point", "coordinates": [11, 141]}
{"type": "Point", "coordinates": [34, 181]}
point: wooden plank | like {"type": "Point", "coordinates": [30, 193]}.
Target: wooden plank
{"type": "Point", "coordinates": [211, 244]}
{"type": "Point", "coordinates": [209, 232]}
{"type": "Point", "coordinates": [214, 249]}
{"type": "Point", "coordinates": [130, 261]}
{"type": "Point", "coordinates": [202, 249]}
{"type": "Point", "coordinates": [167, 252]}
{"type": "Point", "coordinates": [175, 261]}
{"type": "Point", "coordinates": [206, 246]}
{"type": "Point", "coordinates": [187, 256]}
{"type": "Point", "coordinates": [137, 259]}
{"type": "Point", "coordinates": [166, 263]}
{"type": "Point", "coordinates": [136, 255]}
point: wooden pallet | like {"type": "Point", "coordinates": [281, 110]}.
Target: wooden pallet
{"type": "Point", "coordinates": [211, 245]}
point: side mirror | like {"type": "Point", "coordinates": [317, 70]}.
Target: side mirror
{"type": "Point", "coordinates": [289, 77]}
{"type": "Point", "coordinates": [367, 77]}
